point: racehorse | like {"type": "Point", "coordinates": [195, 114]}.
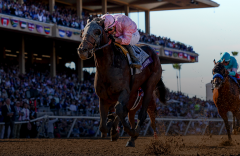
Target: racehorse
{"type": "Point", "coordinates": [114, 84]}
{"type": "Point", "coordinates": [225, 95]}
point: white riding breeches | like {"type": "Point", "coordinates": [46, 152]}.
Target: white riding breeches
{"type": "Point", "coordinates": [135, 38]}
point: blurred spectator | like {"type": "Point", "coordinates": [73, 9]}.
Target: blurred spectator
{"type": "Point", "coordinates": [18, 117]}
{"type": "Point", "coordinates": [33, 115]}
{"type": "Point", "coordinates": [1, 119]}
{"type": "Point", "coordinates": [51, 127]}
{"type": "Point", "coordinates": [8, 112]}
{"type": "Point", "coordinates": [25, 131]}
{"type": "Point", "coordinates": [73, 108]}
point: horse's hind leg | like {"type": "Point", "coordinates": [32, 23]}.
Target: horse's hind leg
{"type": "Point", "coordinates": [148, 97]}
{"type": "Point", "coordinates": [104, 127]}
{"type": "Point", "coordinates": [152, 114]}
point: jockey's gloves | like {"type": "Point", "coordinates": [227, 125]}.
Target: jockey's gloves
{"type": "Point", "coordinates": [111, 37]}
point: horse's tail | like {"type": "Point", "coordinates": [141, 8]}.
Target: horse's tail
{"type": "Point", "coordinates": [161, 91]}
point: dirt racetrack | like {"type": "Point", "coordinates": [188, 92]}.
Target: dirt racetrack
{"type": "Point", "coordinates": [179, 145]}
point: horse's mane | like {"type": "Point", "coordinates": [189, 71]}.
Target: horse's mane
{"type": "Point", "coordinates": [219, 68]}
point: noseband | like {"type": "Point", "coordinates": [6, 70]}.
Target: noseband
{"type": "Point", "coordinates": [222, 80]}
{"type": "Point", "coordinates": [88, 30]}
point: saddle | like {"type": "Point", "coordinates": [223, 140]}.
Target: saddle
{"type": "Point", "coordinates": [142, 56]}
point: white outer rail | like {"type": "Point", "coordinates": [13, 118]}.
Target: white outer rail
{"type": "Point", "coordinates": [145, 131]}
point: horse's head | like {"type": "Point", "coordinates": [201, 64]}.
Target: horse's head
{"type": "Point", "coordinates": [91, 38]}
{"type": "Point", "coordinates": [219, 74]}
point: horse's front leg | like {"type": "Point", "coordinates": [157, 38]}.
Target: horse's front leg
{"type": "Point", "coordinates": [104, 108]}
{"type": "Point", "coordinates": [122, 110]}
{"type": "Point", "coordinates": [225, 119]}
{"type": "Point", "coordinates": [131, 116]}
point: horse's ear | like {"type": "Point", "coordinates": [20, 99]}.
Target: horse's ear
{"type": "Point", "coordinates": [88, 21]}
{"type": "Point", "coordinates": [101, 22]}
{"type": "Point", "coordinates": [223, 61]}
{"type": "Point", "coordinates": [214, 62]}
{"type": "Point", "coordinates": [81, 33]}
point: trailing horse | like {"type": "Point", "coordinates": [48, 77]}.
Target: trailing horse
{"type": "Point", "coordinates": [225, 95]}
{"type": "Point", "coordinates": [114, 84]}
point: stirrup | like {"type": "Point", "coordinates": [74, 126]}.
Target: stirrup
{"type": "Point", "coordinates": [136, 65]}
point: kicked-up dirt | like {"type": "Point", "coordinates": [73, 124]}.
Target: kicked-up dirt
{"type": "Point", "coordinates": [165, 145]}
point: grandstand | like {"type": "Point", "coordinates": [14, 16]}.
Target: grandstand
{"type": "Point", "coordinates": [43, 40]}
{"type": "Point", "coordinates": [41, 37]}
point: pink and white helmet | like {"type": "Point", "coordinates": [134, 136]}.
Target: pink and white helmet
{"type": "Point", "coordinates": [109, 21]}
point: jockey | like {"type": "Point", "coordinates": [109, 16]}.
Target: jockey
{"type": "Point", "coordinates": [230, 64]}
{"type": "Point", "coordinates": [125, 33]}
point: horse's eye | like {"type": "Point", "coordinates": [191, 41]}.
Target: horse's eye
{"type": "Point", "coordinates": [98, 32]}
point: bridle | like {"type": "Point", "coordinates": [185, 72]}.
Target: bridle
{"type": "Point", "coordinates": [88, 30]}
{"type": "Point", "coordinates": [222, 77]}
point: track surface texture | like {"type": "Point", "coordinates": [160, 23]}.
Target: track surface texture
{"type": "Point", "coordinates": [165, 145]}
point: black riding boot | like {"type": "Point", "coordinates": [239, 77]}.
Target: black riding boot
{"type": "Point", "coordinates": [135, 61]}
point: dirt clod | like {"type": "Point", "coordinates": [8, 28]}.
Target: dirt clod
{"type": "Point", "coordinates": [158, 147]}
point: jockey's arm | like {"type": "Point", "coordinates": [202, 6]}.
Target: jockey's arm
{"type": "Point", "coordinates": [234, 67]}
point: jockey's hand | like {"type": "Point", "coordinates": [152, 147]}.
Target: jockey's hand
{"type": "Point", "coordinates": [111, 37]}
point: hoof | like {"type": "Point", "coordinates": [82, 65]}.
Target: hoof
{"type": "Point", "coordinates": [130, 144]}
{"type": "Point", "coordinates": [115, 137]}
{"type": "Point", "coordinates": [234, 132]}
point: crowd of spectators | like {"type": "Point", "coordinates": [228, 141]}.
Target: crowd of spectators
{"type": "Point", "coordinates": [164, 41]}
{"type": "Point", "coordinates": [64, 95]}
{"type": "Point", "coordinates": [184, 106]}
{"type": "Point", "coordinates": [35, 91]}
{"type": "Point", "coordinates": [190, 108]}
{"type": "Point", "coordinates": [39, 11]}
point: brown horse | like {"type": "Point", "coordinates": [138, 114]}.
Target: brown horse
{"type": "Point", "coordinates": [225, 95]}
{"type": "Point", "coordinates": [114, 84]}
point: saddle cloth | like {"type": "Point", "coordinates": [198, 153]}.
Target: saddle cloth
{"type": "Point", "coordinates": [235, 79]}
{"type": "Point", "coordinates": [140, 54]}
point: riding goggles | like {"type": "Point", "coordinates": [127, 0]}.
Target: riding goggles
{"type": "Point", "coordinates": [110, 29]}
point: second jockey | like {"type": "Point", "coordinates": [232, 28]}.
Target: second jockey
{"type": "Point", "coordinates": [230, 64]}
{"type": "Point", "coordinates": [123, 31]}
